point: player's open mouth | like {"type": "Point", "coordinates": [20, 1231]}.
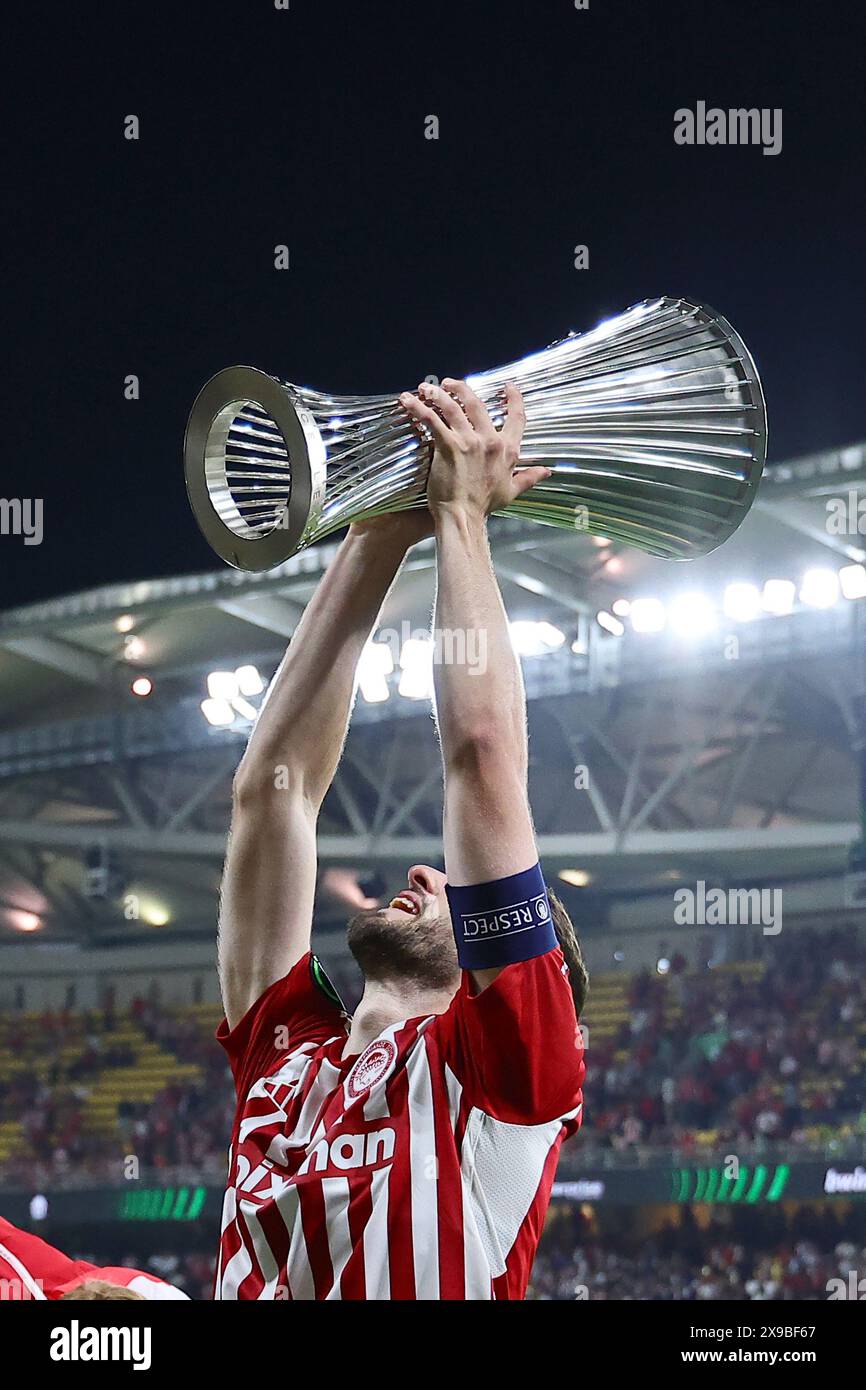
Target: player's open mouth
{"type": "Point", "coordinates": [408, 902]}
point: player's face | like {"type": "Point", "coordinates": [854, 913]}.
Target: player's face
{"type": "Point", "coordinates": [411, 938]}
{"type": "Point", "coordinates": [422, 899]}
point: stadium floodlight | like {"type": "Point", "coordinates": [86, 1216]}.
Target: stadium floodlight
{"type": "Point", "coordinates": [244, 709]}
{"type": "Point", "coordinates": [125, 623]}
{"type": "Point", "coordinates": [22, 920]}
{"type": "Point", "coordinates": [375, 665]}
{"type": "Point", "coordinates": [778, 596]}
{"type": "Point", "coordinates": [416, 665]}
{"type": "Point", "coordinates": [577, 878]}
{"type": "Point", "coordinates": [535, 638]}
{"type": "Point", "coordinates": [249, 681]}
{"type": "Point", "coordinates": [133, 649]}
{"type": "Point", "coordinates": [551, 636]}
{"type": "Point", "coordinates": [528, 582]}
{"type": "Point", "coordinates": [154, 914]}
{"type": "Point", "coordinates": [222, 685]}
{"type": "Point", "coordinates": [647, 615]}
{"type": "Point", "coordinates": [142, 686]}
{"type": "Point", "coordinates": [692, 615]}
{"type": "Point", "coordinates": [218, 712]}
{"type": "Point", "coordinates": [610, 623]}
{"type": "Point", "coordinates": [742, 602]}
{"type": "Point", "coordinates": [852, 579]}
{"type": "Point", "coordinates": [621, 607]}
{"type": "Point", "coordinates": [819, 588]}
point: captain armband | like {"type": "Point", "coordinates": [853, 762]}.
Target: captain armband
{"type": "Point", "coordinates": [496, 924]}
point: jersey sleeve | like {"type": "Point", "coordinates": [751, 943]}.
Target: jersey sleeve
{"type": "Point", "coordinates": [302, 1007]}
{"type": "Point", "coordinates": [41, 1271]}
{"type": "Point", "coordinates": [31, 1260]}
{"type": "Point", "coordinates": [516, 1048]}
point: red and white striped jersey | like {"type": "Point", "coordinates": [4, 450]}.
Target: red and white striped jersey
{"type": "Point", "coordinates": [420, 1169]}
{"type": "Point", "coordinates": [31, 1269]}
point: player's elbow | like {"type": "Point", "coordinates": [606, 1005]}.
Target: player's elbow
{"type": "Point", "coordinates": [248, 784]}
{"type": "Point", "coordinates": [490, 764]}
{"type": "Point", "coordinates": [525, 1098]}
{"type": "Point", "coordinates": [478, 748]}
{"type": "Point", "coordinates": [260, 779]}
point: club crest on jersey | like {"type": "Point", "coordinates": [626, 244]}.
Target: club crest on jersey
{"type": "Point", "coordinates": [374, 1062]}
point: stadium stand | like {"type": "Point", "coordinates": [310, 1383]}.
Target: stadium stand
{"type": "Point", "coordinates": [792, 1257]}
{"type": "Point", "coordinates": [748, 1053]}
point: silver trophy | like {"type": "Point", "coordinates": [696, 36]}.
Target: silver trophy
{"type": "Point", "coordinates": [654, 425]}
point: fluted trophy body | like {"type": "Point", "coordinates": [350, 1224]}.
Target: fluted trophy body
{"type": "Point", "coordinates": [653, 423]}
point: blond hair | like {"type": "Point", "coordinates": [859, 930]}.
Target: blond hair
{"type": "Point", "coordinates": [101, 1290]}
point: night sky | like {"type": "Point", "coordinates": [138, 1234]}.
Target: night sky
{"type": "Point", "coordinates": [407, 255]}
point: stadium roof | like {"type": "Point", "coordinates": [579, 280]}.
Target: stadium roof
{"type": "Point", "coordinates": [653, 754]}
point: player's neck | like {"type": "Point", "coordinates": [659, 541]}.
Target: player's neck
{"type": "Point", "coordinates": [383, 1004]}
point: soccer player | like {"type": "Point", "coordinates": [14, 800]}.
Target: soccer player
{"type": "Point", "coordinates": [31, 1269]}
{"type": "Point", "coordinates": [407, 1152]}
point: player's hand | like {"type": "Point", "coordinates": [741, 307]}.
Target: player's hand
{"type": "Point", "coordinates": [475, 466]}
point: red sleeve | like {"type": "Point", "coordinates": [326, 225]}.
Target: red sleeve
{"type": "Point", "coordinates": [50, 1268]}
{"type": "Point", "coordinates": [292, 1011]}
{"type": "Point", "coordinates": [516, 1048]}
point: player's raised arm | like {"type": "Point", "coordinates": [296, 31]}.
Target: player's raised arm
{"type": "Point", "coordinates": [488, 833]}
{"type": "Point", "coordinates": [270, 871]}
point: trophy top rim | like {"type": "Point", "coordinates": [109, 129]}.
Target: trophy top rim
{"type": "Point", "coordinates": [303, 444]}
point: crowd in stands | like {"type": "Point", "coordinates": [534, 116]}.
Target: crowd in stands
{"type": "Point", "coordinates": [703, 1059]}
{"type": "Point", "coordinates": [738, 1062]}
{"type": "Point", "coordinates": [185, 1127]}
{"type": "Point", "coordinates": [796, 1261]}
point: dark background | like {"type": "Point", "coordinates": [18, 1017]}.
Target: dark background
{"type": "Point", "coordinates": [408, 256]}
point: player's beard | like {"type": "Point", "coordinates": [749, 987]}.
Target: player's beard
{"type": "Point", "coordinates": [420, 950]}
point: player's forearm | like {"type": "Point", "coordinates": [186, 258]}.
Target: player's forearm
{"type": "Point", "coordinates": [303, 722]}
{"type": "Point", "coordinates": [480, 704]}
